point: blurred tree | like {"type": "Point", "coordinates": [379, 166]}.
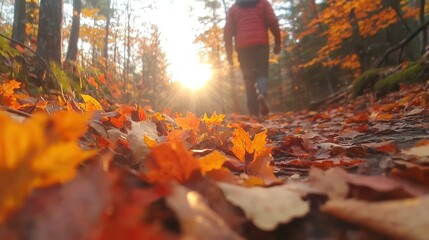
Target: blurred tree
{"type": "Point", "coordinates": [75, 29]}
{"type": "Point", "coordinates": [18, 30]}
{"type": "Point", "coordinates": [49, 33]}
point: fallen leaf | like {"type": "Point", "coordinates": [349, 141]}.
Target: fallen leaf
{"type": "Point", "coordinates": [34, 154]}
{"type": "Point", "coordinates": [214, 119]}
{"type": "Point", "coordinates": [242, 144]}
{"type": "Point", "coordinates": [266, 207]}
{"type": "Point", "coordinates": [211, 161]}
{"type": "Point", "coordinates": [168, 162]}
{"type": "Point", "coordinates": [91, 104]}
{"type": "Point", "coordinates": [399, 219]}
{"type": "Point", "coordinates": [136, 138]}
{"type": "Point", "coordinates": [189, 122]}
{"type": "Point", "coordinates": [261, 167]}
{"type": "Point", "coordinates": [198, 221]}
{"type": "Point", "coordinates": [419, 151]}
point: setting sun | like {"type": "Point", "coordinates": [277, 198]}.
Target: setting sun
{"type": "Point", "coordinates": [194, 76]}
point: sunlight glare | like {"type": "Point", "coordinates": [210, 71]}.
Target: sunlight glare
{"type": "Point", "coordinates": [194, 76]}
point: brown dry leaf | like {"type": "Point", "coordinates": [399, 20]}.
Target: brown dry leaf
{"type": "Point", "coordinates": [212, 161]}
{"type": "Point", "coordinates": [198, 221]}
{"type": "Point", "coordinates": [266, 207]}
{"type": "Point", "coordinates": [74, 208]}
{"type": "Point", "coordinates": [330, 182]}
{"type": "Point", "coordinates": [400, 219]}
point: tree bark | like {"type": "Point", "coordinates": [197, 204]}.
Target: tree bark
{"type": "Point", "coordinates": [18, 31]}
{"type": "Point", "coordinates": [424, 30]}
{"type": "Point", "coordinates": [49, 33]}
{"type": "Point", "coordinates": [74, 35]}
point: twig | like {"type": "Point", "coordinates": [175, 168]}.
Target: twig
{"type": "Point", "coordinates": [14, 111]}
{"type": "Point", "coordinates": [26, 47]}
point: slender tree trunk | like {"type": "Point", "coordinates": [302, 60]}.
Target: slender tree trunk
{"type": "Point", "coordinates": [395, 4]}
{"type": "Point", "coordinates": [422, 21]}
{"type": "Point", "coordinates": [358, 42]}
{"type": "Point", "coordinates": [18, 31]}
{"type": "Point", "coordinates": [49, 33]}
{"type": "Point", "coordinates": [106, 37]}
{"type": "Point", "coordinates": [74, 35]}
{"type": "Point", "coordinates": [1, 9]}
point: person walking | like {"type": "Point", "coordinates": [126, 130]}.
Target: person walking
{"type": "Point", "coordinates": [248, 22]}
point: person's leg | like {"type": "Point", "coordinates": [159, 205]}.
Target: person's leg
{"type": "Point", "coordinates": [248, 68]}
{"type": "Point", "coordinates": [261, 61]}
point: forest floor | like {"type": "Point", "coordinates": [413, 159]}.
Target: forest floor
{"type": "Point", "coordinates": [357, 170]}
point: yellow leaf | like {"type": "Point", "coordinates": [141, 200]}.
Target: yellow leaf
{"type": "Point", "coordinates": [214, 119]}
{"type": "Point", "coordinates": [91, 104]}
{"type": "Point", "coordinates": [149, 141]}
{"type": "Point", "coordinates": [242, 144]}
{"type": "Point", "coordinates": [212, 161]}
{"type": "Point", "coordinates": [37, 153]}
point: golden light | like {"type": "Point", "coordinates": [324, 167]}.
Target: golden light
{"type": "Point", "coordinates": [194, 76]}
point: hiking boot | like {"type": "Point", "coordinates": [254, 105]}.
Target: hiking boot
{"type": "Point", "coordinates": [263, 105]}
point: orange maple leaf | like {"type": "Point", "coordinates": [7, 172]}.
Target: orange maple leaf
{"type": "Point", "coordinates": [170, 161]}
{"type": "Point", "coordinates": [242, 144]}
{"type": "Point", "coordinates": [189, 122]}
{"type": "Point", "coordinates": [7, 90]}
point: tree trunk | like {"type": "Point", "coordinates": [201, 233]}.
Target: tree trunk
{"type": "Point", "coordinates": [359, 43]}
{"type": "Point", "coordinates": [106, 37]}
{"type": "Point", "coordinates": [74, 35]}
{"type": "Point", "coordinates": [422, 21]}
{"type": "Point", "coordinates": [18, 31]}
{"type": "Point", "coordinates": [49, 33]}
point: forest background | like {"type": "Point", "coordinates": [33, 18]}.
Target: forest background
{"type": "Point", "coordinates": [115, 51]}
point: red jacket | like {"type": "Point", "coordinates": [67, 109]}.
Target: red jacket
{"type": "Point", "coordinates": [249, 25]}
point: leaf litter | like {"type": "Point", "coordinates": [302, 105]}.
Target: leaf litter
{"type": "Point", "coordinates": [133, 173]}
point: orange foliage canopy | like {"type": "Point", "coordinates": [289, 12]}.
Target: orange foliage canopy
{"type": "Point", "coordinates": [340, 16]}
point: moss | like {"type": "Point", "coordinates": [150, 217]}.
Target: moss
{"type": "Point", "coordinates": [366, 80]}
{"type": "Point", "coordinates": [409, 75]}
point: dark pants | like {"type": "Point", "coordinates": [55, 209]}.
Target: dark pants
{"type": "Point", "coordinates": [254, 66]}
